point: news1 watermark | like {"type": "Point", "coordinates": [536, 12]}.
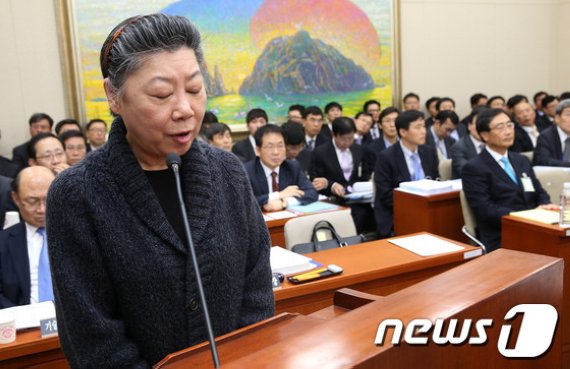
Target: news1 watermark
{"type": "Point", "coordinates": [535, 335]}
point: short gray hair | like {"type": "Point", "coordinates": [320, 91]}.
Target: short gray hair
{"type": "Point", "coordinates": [564, 104]}
{"type": "Point", "coordinates": [140, 36]}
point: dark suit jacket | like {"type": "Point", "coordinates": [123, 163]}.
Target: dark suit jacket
{"type": "Point", "coordinates": [542, 122]}
{"type": "Point", "coordinates": [491, 193]}
{"type": "Point", "coordinates": [461, 152]}
{"type": "Point", "coordinates": [243, 150]}
{"type": "Point", "coordinates": [290, 174]}
{"type": "Point", "coordinates": [8, 168]}
{"type": "Point", "coordinates": [522, 142]}
{"type": "Point", "coordinates": [20, 155]}
{"type": "Point", "coordinates": [548, 149]}
{"type": "Point", "coordinates": [326, 164]}
{"type": "Point", "coordinates": [366, 140]}
{"type": "Point", "coordinates": [304, 158]}
{"type": "Point", "coordinates": [430, 141]}
{"type": "Point", "coordinates": [15, 282]}
{"type": "Point", "coordinates": [373, 149]}
{"type": "Point", "coordinates": [391, 169]}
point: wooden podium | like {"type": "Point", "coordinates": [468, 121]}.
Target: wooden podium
{"type": "Point", "coordinates": [439, 214]}
{"type": "Point", "coordinates": [487, 287]}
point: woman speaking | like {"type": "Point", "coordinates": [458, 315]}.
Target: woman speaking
{"type": "Point", "coordinates": [125, 288]}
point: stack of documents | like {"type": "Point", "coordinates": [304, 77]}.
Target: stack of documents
{"type": "Point", "coordinates": [427, 186]}
{"type": "Point", "coordinates": [288, 262]}
{"type": "Point", "coordinates": [538, 215]}
{"type": "Point", "coordinates": [29, 316]}
{"type": "Point", "coordinates": [425, 245]}
{"type": "Point", "coordinates": [315, 207]}
{"type": "Point", "coordinates": [278, 215]}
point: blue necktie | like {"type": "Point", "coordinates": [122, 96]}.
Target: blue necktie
{"type": "Point", "coordinates": [45, 289]}
{"type": "Point", "coordinates": [509, 170]}
{"type": "Point", "coordinates": [418, 170]}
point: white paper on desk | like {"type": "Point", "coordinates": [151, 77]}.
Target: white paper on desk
{"type": "Point", "coordinates": [29, 316]}
{"type": "Point", "coordinates": [425, 245]}
{"type": "Point", "coordinates": [281, 215]}
{"type": "Point", "coordinates": [266, 218]}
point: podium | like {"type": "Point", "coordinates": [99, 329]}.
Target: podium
{"type": "Point", "coordinates": [487, 287]}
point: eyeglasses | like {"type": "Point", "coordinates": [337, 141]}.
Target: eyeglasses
{"type": "Point", "coordinates": [51, 156]}
{"type": "Point", "coordinates": [34, 202]}
{"type": "Point", "coordinates": [271, 147]}
{"type": "Point", "coordinates": [75, 147]}
{"type": "Point", "coordinates": [500, 127]}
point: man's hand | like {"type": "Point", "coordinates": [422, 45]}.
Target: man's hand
{"type": "Point", "coordinates": [59, 168]}
{"type": "Point", "coordinates": [320, 183]}
{"type": "Point", "coordinates": [553, 207]}
{"type": "Point", "coordinates": [291, 191]}
{"type": "Point", "coordinates": [273, 205]}
{"type": "Point", "coordinates": [337, 189]}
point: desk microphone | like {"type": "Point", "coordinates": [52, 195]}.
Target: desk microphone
{"type": "Point", "coordinates": [173, 161]}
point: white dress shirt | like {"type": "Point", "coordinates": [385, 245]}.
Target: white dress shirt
{"type": "Point", "coordinates": [408, 156]}
{"type": "Point", "coordinates": [532, 132]}
{"type": "Point", "coordinates": [479, 145]}
{"type": "Point", "coordinates": [35, 243]}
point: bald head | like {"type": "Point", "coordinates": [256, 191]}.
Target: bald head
{"type": "Point", "coordinates": [29, 192]}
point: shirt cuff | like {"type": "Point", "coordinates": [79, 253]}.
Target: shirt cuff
{"type": "Point", "coordinates": [273, 196]}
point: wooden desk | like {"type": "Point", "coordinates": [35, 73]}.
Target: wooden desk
{"type": "Point", "coordinates": [376, 267]}
{"type": "Point", "coordinates": [526, 235]}
{"type": "Point", "coordinates": [487, 287]}
{"type": "Point", "coordinates": [30, 350]}
{"type": "Point", "coordinates": [438, 214]}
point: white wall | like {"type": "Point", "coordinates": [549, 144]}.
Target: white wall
{"type": "Point", "coordinates": [449, 47]}
{"type": "Point", "coordinates": [30, 72]}
{"type": "Point", "coordinates": [459, 47]}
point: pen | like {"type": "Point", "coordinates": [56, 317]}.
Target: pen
{"type": "Point", "coordinates": [318, 273]}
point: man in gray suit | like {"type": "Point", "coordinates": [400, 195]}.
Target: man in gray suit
{"type": "Point", "coordinates": [468, 147]}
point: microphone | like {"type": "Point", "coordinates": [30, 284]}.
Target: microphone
{"type": "Point", "coordinates": [173, 161]}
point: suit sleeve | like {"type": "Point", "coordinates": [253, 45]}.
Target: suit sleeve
{"type": "Point", "coordinates": [5, 302]}
{"type": "Point", "coordinates": [311, 195]}
{"type": "Point", "coordinates": [476, 185]}
{"type": "Point", "coordinates": [90, 327]}
{"type": "Point", "coordinates": [458, 159]}
{"type": "Point", "coordinates": [544, 154]}
{"type": "Point", "coordinates": [318, 170]}
{"type": "Point", "coordinates": [383, 178]}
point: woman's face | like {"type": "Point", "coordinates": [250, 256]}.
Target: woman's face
{"type": "Point", "coordinates": [162, 105]}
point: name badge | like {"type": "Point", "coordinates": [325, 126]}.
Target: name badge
{"type": "Point", "coordinates": [528, 186]}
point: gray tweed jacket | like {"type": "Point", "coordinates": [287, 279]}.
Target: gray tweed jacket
{"type": "Point", "coordinates": [124, 284]}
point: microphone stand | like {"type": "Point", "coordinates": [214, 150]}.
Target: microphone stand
{"type": "Point", "coordinates": [174, 163]}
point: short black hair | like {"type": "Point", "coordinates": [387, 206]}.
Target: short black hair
{"type": "Point", "coordinates": [370, 102]}
{"type": "Point", "coordinates": [565, 95]}
{"type": "Point", "coordinates": [266, 129]}
{"type": "Point", "coordinates": [493, 98]}
{"type": "Point", "coordinates": [389, 110]}
{"type": "Point", "coordinates": [34, 141]}
{"type": "Point", "coordinates": [332, 104]}
{"type": "Point", "coordinates": [209, 117]}
{"type": "Point", "coordinates": [93, 121]}
{"type": "Point", "coordinates": [36, 117]}
{"type": "Point", "coordinates": [442, 100]}
{"type": "Point", "coordinates": [256, 113]}
{"type": "Point", "coordinates": [406, 118]}
{"type": "Point", "coordinates": [538, 94]}
{"type": "Point", "coordinates": [63, 122]}
{"type": "Point", "coordinates": [485, 117]}
{"type": "Point", "coordinates": [431, 100]}
{"type": "Point", "coordinates": [343, 126]}
{"type": "Point", "coordinates": [548, 99]}
{"type": "Point", "coordinates": [515, 100]}
{"type": "Point", "coordinates": [362, 113]}
{"type": "Point", "coordinates": [410, 94]}
{"type": "Point", "coordinates": [312, 110]}
{"type": "Point", "coordinates": [298, 107]}
{"type": "Point", "coordinates": [444, 115]}
{"type": "Point", "coordinates": [476, 111]}
{"type": "Point", "coordinates": [474, 100]}
{"type": "Point", "coordinates": [69, 134]}
{"type": "Point", "coordinates": [216, 129]}
{"type": "Point", "coordinates": [294, 133]}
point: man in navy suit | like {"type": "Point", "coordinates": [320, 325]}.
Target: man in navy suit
{"type": "Point", "coordinates": [277, 182]}
{"type": "Point", "coordinates": [526, 130]}
{"type": "Point", "coordinates": [439, 134]}
{"type": "Point", "coordinates": [39, 122]}
{"type": "Point", "coordinates": [245, 149]}
{"type": "Point", "coordinates": [553, 145]}
{"type": "Point", "coordinates": [22, 279]}
{"type": "Point", "coordinates": [499, 181]}
{"type": "Point", "coordinates": [343, 163]}
{"type": "Point", "coordinates": [468, 146]}
{"type": "Point", "coordinates": [363, 122]}
{"type": "Point", "coordinates": [315, 132]}
{"type": "Point", "coordinates": [408, 160]}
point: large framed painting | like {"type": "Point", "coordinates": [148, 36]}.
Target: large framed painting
{"type": "Point", "coordinates": [258, 53]}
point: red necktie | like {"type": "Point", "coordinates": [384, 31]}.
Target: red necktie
{"type": "Point", "coordinates": [274, 182]}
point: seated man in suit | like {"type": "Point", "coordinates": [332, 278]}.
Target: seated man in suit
{"type": "Point", "coordinates": [313, 124]}
{"type": "Point", "coordinates": [24, 265]}
{"type": "Point", "coordinates": [39, 122]}
{"type": "Point", "coordinates": [408, 160]}
{"type": "Point", "coordinates": [363, 123]}
{"type": "Point", "coordinates": [549, 104]}
{"type": "Point", "coordinates": [295, 113]}
{"type": "Point", "coordinates": [526, 130]}
{"type": "Point", "coordinates": [276, 181]}
{"type": "Point", "coordinates": [411, 101]}
{"type": "Point", "coordinates": [46, 150]}
{"type": "Point", "coordinates": [468, 147]}
{"type": "Point", "coordinates": [333, 110]}
{"type": "Point", "coordinates": [245, 149]}
{"type": "Point", "coordinates": [96, 134]}
{"type": "Point", "coordinates": [431, 108]}
{"type": "Point", "coordinates": [499, 181]}
{"type": "Point", "coordinates": [553, 144]}
{"type": "Point", "coordinates": [220, 135]}
{"type": "Point", "coordinates": [373, 108]}
{"type": "Point", "coordinates": [439, 134]}
{"type": "Point", "coordinates": [388, 136]}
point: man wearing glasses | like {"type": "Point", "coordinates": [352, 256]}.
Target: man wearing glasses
{"type": "Point", "coordinates": [277, 182]}
{"type": "Point", "coordinates": [553, 144]}
{"type": "Point", "coordinates": [439, 134]}
{"type": "Point", "coordinates": [24, 265]}
{"type": "Point", "coordinates": [499, 181]}
{"type": "Point", "coordinates": [46, 150]}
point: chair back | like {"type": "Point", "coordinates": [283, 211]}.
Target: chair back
{"type": "Point", "coordinates": [445, 169]}
{"type": "Point", "coordinates": [470, 227]}
{"type": "Point", "coordinates": [299, 230]}
{"type": "Point", "coordinates": [552, 180]}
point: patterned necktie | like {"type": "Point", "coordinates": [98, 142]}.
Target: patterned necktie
{"type": "Point", "coordinates": [274, 184]}
{"type": "Point", "coordinates": [345, 164]}
{"type": "Point", "coordinates": [418, 170]}
{"type": "Point", "coordinates": [566, 156]}
{"type": "Point", "coordinates": [45, 289]}
{"type": "Point", "coordinates": [509, 170]}
{"type": "Point", "coordinates": [311, 145]}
